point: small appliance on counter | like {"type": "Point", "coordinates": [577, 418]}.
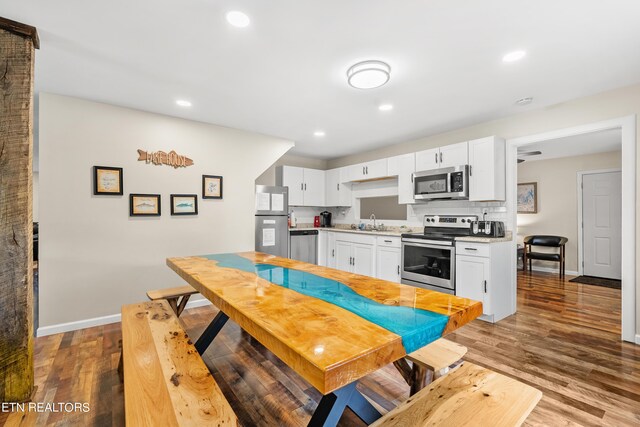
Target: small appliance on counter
{"type": "Point", "coordinates": [325, 219]}
{"type": "Point", "coordinates": [316, 221]}
{"type": "Point", "coordinates": [487, 228]}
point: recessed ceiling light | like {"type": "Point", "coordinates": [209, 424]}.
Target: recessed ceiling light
{"type": "Point", "coordinates": [318, 133]}
{"type": "Point", "coordinates": [385, 107]}
{"type": "Point", "coordinates": [514, 56]}
{"type": "Point", "coordinates": [524, 101]}
{"type": "Point", "coordinates": [238, 19]}
{"type": "Point", "coordinates": [183, 103]}
{"type": "Point", "coordinates": [368, 74]}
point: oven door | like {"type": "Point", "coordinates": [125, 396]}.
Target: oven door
{"type": "Point", "coordinates": [446, 183]}
{"type": "Point", "coordinates": [431, 263]}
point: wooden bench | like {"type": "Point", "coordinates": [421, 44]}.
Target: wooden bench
{"type": "Point", "coordinates": [432, 360]}
{"type": "Point", "coordinates": [165, 380]}
{"type": "Point", "coordinates": [177, 297]}
{"type": "Point", "coordinates": [470, 395]}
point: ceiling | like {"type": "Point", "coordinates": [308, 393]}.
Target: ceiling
{"type": "Point", "coordinates": [285, 74]}
{"type": "Point", "coordinates": [578, 145]}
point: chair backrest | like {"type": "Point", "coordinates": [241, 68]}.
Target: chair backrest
{"type": "Point", "coordinates": [552, 241]}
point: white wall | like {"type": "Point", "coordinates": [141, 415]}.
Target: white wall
{"type": "Point", "coordinates": [93, 256]}
{"type": "Point", "coordinates": [558, 199]}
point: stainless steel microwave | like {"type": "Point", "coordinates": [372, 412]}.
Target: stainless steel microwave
{"type": "Point", "coordinates": [445, 183]}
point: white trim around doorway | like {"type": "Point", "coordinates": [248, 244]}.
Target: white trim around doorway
{"type": "Point", "coordinates": [628, 126]}
{"type": "Point", "coordinates": [579, 177]}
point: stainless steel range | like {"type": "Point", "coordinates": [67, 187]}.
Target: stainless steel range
{"type": "Point", "coordinates": [429, 258]}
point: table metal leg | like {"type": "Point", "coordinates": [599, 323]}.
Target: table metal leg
{"type": "Point", "coordinates": [210, 333]}
{"type": "Point", "coordinates": [332, 406]}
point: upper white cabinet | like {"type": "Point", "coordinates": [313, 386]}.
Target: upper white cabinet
{"type": "Point", "coordinates": [487, 168]}
{"type": "Point", "coordinates": [442, 157]}
{"type": "Point", "coordinates": [306, 186]}
{"type": "Point", "coordinates": [403, 167]}
{"type": "Point", "coordinates": [338, 192]}
{"type": "Point", "coordinates": [369, 170]}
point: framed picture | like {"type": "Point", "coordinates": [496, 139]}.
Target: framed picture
{"type": "Point", "coordinates": [211, 187]}
{"type": "Point", "coordinates": [528, 198]}
{"type": "Point", "coordinates": [107, 181]}
{"type": "Point", "coordinates": [184, 204]}
{"type": "Point", "coordinates": [144, 205]}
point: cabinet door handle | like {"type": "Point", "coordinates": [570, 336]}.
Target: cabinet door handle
{"type": "Point", "coordinates": [411, 177]}
{"type": "Point", "coordinates": [338, 187]}
{"type": "Point", "coordinates": [470, 170]}
{"type": "Point", "coordinates": [367, 168]}
{"type": "Point", "coordinates": [333, 253]}
{"type": "Point", "coordinates": [398, 269]}
{"type": "Point", "coordinates": [387, 241]}
{"type": "Point", "coordinates": [485, 286]}
{"type": "Point", "coordinates": [436, 157]}
{"type": "Point", "coordinates": [305, 186]}
{"type": "Point", "coordinates": [301, 186]}
{"type": "Point", "coordinates": [363, 170]}
{"type": "Point", "coordinates": [440, 157]}
{"type": "Point", "coordinates": [470, 249]}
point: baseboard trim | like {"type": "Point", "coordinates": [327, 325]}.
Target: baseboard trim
{"type": "Point", "coordinates": [99, 321]}
{"type": "Point", "coordinates": [553, 270]}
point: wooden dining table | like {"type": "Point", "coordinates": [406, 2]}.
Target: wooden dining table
{"type": "Point", "coordinates": [330, 326]}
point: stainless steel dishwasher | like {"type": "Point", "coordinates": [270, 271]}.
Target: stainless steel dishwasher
{"type": "Point", "coordinates": [304, 245]}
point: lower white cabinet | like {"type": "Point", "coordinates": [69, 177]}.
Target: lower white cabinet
{"type": "Point", "coordinates": [388, 263]}
{"type": "Point", "coordinates": [355, 256]}
{"type": "Point", "coordinates": [483, 274]}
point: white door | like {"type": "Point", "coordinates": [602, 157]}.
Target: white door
{"type": "Point", "coordinates": [343, 256]}
{"type": "Point", "coordinates": [313, 187]}
{"type": "Point", "coordinates": [404, 167]}
{"type": "Point", "coordinates": [332, 187]}
{"type": "Point", "coordinates": [454, 155]}
{"type": "Point", "coordinates": [293, 178]}
{"type": "Point", "coordinates": [388, 264]}
{"type": "Point", "coordinates": [472, 275]}
{"type": "Point", "coordinates": [427, 160]}
{"type": "Point", "coordinates": [602, 224]}
{"type": "Point", "coordinates": [363, 259]}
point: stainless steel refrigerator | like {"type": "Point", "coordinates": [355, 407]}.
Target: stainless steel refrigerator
{"type": "Point", "coordinates": [272, 229]}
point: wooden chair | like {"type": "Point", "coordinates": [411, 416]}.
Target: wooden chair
{"type": "Point", "coordinates": [429, 363]}
{"type": "Point", "coordinates": [546, 241]}
{"type": "Point", "coordinates": [176, 297]}
{"type": "Point", "coordinates": [166, 383]}
{"type": "Point", "coordinates": [470, 395]}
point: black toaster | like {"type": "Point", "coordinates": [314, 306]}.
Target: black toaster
{"type": "Point", "coordinates": [487, 228]}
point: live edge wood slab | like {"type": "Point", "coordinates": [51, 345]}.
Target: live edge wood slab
{"type": "Point", "coordinates": [328, 346]}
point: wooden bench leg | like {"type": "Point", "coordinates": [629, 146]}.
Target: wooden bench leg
{"type": "Point", "coordinates": [121, 367]}
{"type": "Point", "coordinates": [182, 304]}
{"type": "Point", "coordinates": [418, 378]}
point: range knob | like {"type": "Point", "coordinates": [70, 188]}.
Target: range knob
{"type": "Point", "coordinates": [464, 220]}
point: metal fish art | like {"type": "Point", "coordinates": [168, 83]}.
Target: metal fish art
{"type": "Point", "coordinates": [161, 158]}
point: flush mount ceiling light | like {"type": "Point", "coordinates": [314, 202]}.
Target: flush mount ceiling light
{"type": "Point", "coordinates": [524, 101]}
{"type": "Point", "coordinates": [318, 133]}
{"type": "Point", "coordinates": [238, 19]}
{"type": "Point", "coordinates": [183, 103]}
{"type": "Point", "coordinates": [514, 56]}
{"type": "Point", "coordinates": [368, 74]}
{"type": "Point", "coordinates": [385, 107]}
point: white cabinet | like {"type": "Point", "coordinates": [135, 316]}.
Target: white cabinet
{"type": "Point", "coordinates": [338, 191]}
{"type": "Point", "coordinates": [306, 186]}
{"type": "Point", "coordinates": [388, 258]}
{"type": "Point", "coordinates": [443, 157]}
{"type": "Point", "coordinates": [352, 252]}
{"type": "Point", "coordinates": [369, 170]}
{"type": "Point", "coordinates": [403, 167]}
{"type": "Point", "coordinates": [483, 274]}
{"type": "Point", "coordinates": [487, 168]}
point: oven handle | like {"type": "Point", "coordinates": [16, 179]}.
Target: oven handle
{"type": "Point", "coordinates": [423, 243]}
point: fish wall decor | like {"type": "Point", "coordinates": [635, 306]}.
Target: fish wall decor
{"type": "Point", "coordinates": [161, 158]}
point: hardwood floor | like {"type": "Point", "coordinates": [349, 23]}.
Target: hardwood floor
{"type": "Point", "coordinates": [564, 340]}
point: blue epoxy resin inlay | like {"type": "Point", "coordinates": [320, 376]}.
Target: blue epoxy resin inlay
{"type": "Point", "coordinates": [416, 327]}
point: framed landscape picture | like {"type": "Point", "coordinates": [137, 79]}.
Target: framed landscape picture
{"type": "Point", "coordinates": [211, 187]}
{"type": "Point", "coordinates": [144, 205]}
{"type": "Point", "coordinates": [107, 181]}
{"type": "Point", "coordinates": [184, 204]}
{"type": "Point", "coordinates": [528, 198]}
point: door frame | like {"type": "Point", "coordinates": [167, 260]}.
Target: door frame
{"type": "Point", "coordinates": [580, 190]}
{"type": "Point", "coordinates": [628, 126]}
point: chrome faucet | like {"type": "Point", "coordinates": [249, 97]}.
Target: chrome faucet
{"type": "Point", "coordinates": [373, 218]}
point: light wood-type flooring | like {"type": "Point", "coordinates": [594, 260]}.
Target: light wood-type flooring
{"type": "Point", "coordinates": [564, 340]}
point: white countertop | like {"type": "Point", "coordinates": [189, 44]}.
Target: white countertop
{"type": "Point", "coordinates": [479, 239]}
{"type": "Point", "coordinates": [474, 239]}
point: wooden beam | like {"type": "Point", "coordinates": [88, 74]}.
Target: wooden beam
{"type": "Point", "coordinates": [20, 29]}
{"type": "Point", "coordinates": [16, 227]}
